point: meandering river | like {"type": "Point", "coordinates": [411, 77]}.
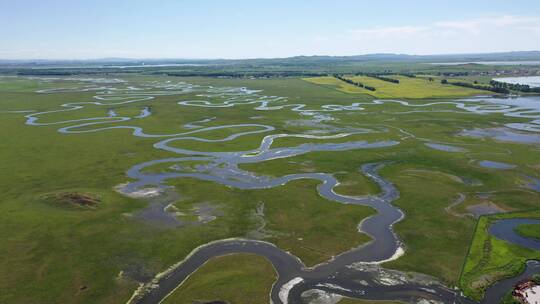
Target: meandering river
{"type": "Point", "coordinates": [356, 273]}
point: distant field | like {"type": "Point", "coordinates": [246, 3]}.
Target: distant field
{"type": "Point", "coordinates": [413, 88]}
{"type": "Point", "coordinates": [332, 82]}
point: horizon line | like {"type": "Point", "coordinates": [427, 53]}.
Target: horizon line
{"type": "Point", "coordinates": [261, 58]}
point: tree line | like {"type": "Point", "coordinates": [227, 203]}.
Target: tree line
{"type": "Point", "coordinates": [410, 75]}
{"type": "Point", "coordinates": [354, 83]}
{"type": "Point", "coordinates": [239, 74]}
{"type": "Point", "coordinates": [378, 76]}
{"type": "Point", "coordinates": [500, 90]}
{"type": "Point", "coordinates": [387, 79]}
{"type": "Point", "coordinates": [514, 86]}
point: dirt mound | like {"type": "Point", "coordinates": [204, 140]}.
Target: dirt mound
{"type": "Point", "coordinates": [75, 199]}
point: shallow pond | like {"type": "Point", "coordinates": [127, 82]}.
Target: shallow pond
{"type": "Point", "coordinates": [503, 134]}
{"type": "Point", "coordinates": [446, 148]}
{"type": "Point", "coordinates": [484, 208]}
{"type": "Point", "coordinates": [496, 165]}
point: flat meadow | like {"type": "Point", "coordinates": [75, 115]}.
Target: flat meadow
{"type": "Point", "coordinates": [55, 251]}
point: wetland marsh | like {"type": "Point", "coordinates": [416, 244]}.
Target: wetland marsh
{"type": "Point", "coordinates": [354, 190]}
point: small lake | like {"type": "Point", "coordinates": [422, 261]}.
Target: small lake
{"type": "Point", "coordinates": [496, 165]}
{"type": "Point", "coordinates": [534, 184]}
{"type": "Point", "coordinates": [484, 208]}
{"type": "Point", "coordinates": [503, 134]}
{"type": "Point", "coordinates": [446, 148]}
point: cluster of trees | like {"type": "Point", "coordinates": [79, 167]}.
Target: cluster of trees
{"type": "Point", "coordinates": [59, 72]}
{"type": "Point", "coordinates": [514, 86]}
{"type": "Point", "coordinates": [410, 75]}
{"type": "Point", "coordinates": [240, 74]}
{"type": "Point", "coordinates": [453, 73]}
{"type": "Point", "coordinates": [496, 86]}
{"type": "Point", "coordinates": [378, 76]}
{"type": "Point", "coordinates": [355, 83]}
{"type": "Point", "coordinates": [45, 73]}
{"type": "Point", "coordinates": [392, 80]}
{"type": "Point", "coordinates": [477, 86]}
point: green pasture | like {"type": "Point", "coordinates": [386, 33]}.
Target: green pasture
{"type": "Point", "coordinates": [529, 230]}
{"type": "Point", "coordinates": [490, 259]}
{"type": "Point", "coordinates": [237, 278]}
{"type": "Point", "coordinates": [407, 88]}
{"type": "Point", "coordinates": [53, 253]}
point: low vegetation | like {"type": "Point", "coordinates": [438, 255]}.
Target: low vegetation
{"type": "Point", "coordinates": [529, 230]}
{"type": "Point", "coordinates": [99, 253]}
{"type": "Point", "coordinates": [357, 301]}
{"type": "Point", "coordinates": [408, 87]}
{"type": "Point", "coordinates": [238, 279]}
{"type": "Point", "coordinates": [490, 259]}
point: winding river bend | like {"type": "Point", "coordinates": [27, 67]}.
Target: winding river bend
{"type": "Point", "coordinates": [505, 230]}
{"type": "Point", "coordinates": [356, 273]}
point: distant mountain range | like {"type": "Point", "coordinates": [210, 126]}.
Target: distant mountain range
{"type": "Point", "coordinates": [383, 57]}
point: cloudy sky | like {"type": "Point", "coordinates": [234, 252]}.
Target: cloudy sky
{"type": "Point", "coordinates": [69, 29]}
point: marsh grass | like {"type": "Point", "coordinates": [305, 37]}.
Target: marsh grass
{"type": "Point", "coordinates": [53, 254]}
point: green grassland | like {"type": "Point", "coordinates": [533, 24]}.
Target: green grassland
{"type": "Point", "coordinates": [529, 230]}
{"type": "Point", "coordinates": [53, 253]}
{"type": "Point", "coordinates": [490, 259]}
{"type": "Point", "coordinates": [99, 254]}
{"type": "Point", "coordinates": [357, 301]}
{"type": "Point", "coordinates": [297, 219]}
{"type": "Point", "coordinates": [407, 88]}
{"type": "Point", "coordinates": [238, 279]}
{"type": "Point", "coordinates": [332, 82]}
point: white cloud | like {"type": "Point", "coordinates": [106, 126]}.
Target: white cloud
{"type": "Point", "coordinates": [482, 34]}
{"type": "Point", "coordinates": [478, 26]}
{"type": "Point", "coordinates": [475, 26]}
{"type": "Point", "coordinates": [389, 32]}
{"type": "Point", "coordinates": [487, 33]}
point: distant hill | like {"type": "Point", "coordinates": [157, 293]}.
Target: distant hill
{"type": "Point", "coordinates": [297, 60]}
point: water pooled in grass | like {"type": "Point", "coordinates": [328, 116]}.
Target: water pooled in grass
{"type": "Point", "coordinates": [446, 148]}
{"type": "Point", "coordinates": [496, 165]}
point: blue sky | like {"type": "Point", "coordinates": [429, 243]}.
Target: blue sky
{"type": "Point", "coordinates": [68, 29]}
